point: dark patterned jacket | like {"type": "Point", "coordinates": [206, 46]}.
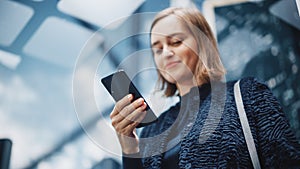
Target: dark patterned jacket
{"type": "Point", "coordinates": [210, 133]}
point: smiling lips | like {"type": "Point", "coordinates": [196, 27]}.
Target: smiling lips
{"type": "Point", "coordinates": [172, 64]}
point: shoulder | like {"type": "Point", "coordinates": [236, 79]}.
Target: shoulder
{"type": "Point", "coordinates": [252, 83]}
{"type": "Point", "coordinates": [259, 99]}
{"type": "Point", "coordinates": [248, 86]}
{"type": "Point", "coordinates": [253, 88]}
{"type": "Point", "coordinates": [257, 93]}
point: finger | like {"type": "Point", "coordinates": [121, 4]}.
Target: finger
{"type": "Point", "coordinates": [131, 107]}
{"type": "Point", "coordinates": [136, 116]}
{"type": "Point", "coordinates": [127, 110]}
{"type": "Point", "coordinates": [130, 130]}
{"type": "Point", "coordinates": [121, 104]}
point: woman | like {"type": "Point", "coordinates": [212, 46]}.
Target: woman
{"type": "Point", "coordinates": [202, 130]}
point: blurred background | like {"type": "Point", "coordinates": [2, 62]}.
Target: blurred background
{"type": "Point", "coordinates": [54, 52]}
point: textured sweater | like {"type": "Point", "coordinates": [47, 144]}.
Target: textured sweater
{"type": "Point", "coordinates": [210, 133]}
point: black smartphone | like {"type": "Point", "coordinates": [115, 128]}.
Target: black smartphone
{"type": "Point", "coordinates": [119, 85]}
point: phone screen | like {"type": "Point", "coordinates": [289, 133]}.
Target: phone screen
{"type": "Point", "coordinates": [119, 85]}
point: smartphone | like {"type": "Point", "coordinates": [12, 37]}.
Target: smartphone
{"type": "Point", "coordinates": [119, 85]}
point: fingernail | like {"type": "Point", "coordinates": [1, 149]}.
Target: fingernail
{"type": "Point", "coordinates": [129, 96]}
{"type": "Point", "coordinates": [140, 100]}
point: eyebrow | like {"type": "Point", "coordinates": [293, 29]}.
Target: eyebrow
{"type": "Point", "coordinates": [168, 36]}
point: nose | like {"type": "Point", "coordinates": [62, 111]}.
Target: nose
{"type": "Point", "coordinates": [167, 52]}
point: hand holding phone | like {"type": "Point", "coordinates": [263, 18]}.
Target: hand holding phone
{"type": "Point", "coordinates": [119, 85]}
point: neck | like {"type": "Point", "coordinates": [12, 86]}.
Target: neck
{"type": "Point", "coordinates": [184, 88]}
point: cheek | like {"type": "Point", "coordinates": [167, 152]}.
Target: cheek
{"type": "Point", "coordinates": [158, 62]}
{"type": "Point", "coordinates": [160, 69]}
{"type": "Point", "coordinates": [193, 57]}
{"type": "Point", "coordinates": [192, 61]}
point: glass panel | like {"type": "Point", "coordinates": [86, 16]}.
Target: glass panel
{"type": "Point", "coordinates": [100, 13]}
{"type": "Point", "coordinates": [13, 18]}
{"type": "Point", "coordinates": [59, 41]}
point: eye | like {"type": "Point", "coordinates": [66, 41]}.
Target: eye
{"type": "Point", "coordinates": [157, 51]}
{"type": "Point", "coordinates": [176, 42]}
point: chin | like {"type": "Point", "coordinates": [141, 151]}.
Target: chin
{"type": "Point", "coordinates": [169, 78]}
{"type": "Point", "coordinates": [175, 79]}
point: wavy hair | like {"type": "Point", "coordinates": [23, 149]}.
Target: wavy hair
{"type": "Point", "coordinates": [209, 66]}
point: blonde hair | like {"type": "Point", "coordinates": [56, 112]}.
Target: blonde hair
{"type": "Point", "coordinates": [209, 66]}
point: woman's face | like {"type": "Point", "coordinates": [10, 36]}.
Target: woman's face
{"type": "Point", "coordinates": [175, 50]}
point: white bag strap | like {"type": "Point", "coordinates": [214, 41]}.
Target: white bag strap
{"type": "Point", "coordinates": [245, 126]}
